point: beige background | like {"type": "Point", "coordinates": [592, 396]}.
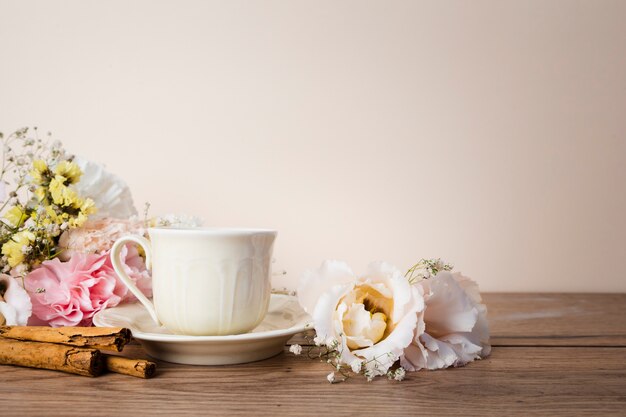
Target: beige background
{"type": "Point", "coordinates": [490, 133]}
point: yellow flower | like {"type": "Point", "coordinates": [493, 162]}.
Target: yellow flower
{"type": "Point", "coordinates": [40, 193]}
{"type": "Point", "coordinates": [85, 208]}
{"type": "Point", "coordinates": [13, 248]}
{"type": "Point", "coordinates": [88, 207]}
{"type": "Point", "coordinates": [39, 167]}
{"type": "Point", "coordinates": [77, 221]}
{"type": "Point", "coordinates": [15, 216]}
{"type": "Point", "coordinates": [68, 170]}
{"type": "Point", "coordinates": [61, 194]}
{"type": "Point", "coordinates": [56, 189]}
{"type": "Point", "coordinates": [53, 218]}
{"type": "Point", "coordinates": [71, 199]}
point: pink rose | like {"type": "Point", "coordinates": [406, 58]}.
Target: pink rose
{"type": "Point", "coordinates": [70, 293]}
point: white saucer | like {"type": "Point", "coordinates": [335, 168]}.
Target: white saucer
{"type": "Point", "coordinates": [284, 318]}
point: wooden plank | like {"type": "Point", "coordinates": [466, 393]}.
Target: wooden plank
{"type": "Point", "coordinates": [557, 319]}
{"type": "Point", "coordinates": [553, 319]}
{"type": "Point", "coordinates": [555, 381]}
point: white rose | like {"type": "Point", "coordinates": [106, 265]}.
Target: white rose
{"type": "Point", "coordinates": [112, 196]}
{"type": "Point", "coordinates": [453, 328]}
{"type": "Point", "coordinates": [372, 317]}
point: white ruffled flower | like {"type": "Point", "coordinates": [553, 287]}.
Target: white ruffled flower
{"type": "Point", "coordinates": [331, 377]}
{"type": "Point", "coordinates": [453, 328]}
{"type": "Point", "coordinates": [110, 193]}
{"type": "Point", "coordinates": [15, 304]}
{"type": "Point", "coordinates": [372, 317]}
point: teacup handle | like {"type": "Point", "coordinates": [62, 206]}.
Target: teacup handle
{"type": "Point", "coordinates": [119, 269]}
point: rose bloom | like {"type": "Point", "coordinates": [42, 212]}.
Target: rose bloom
{"type": "Point", "coordinates": [452, 330]}
{"type": "Point", "coordinates": [15, 305]}
{"type": "Point", "coordinates": [70, 293]}
{"type": "Point", "coordinates": [372, 317]}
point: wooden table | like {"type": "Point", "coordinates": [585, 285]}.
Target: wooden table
{"type": "Point", "coordinates": [553, 354]}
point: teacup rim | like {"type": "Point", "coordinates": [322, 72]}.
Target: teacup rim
{"type": "Point", "coordinates": [207, 230]}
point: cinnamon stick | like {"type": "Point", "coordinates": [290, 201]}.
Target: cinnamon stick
{"type": "Point", "coordinates": [105, 338]}
{"type": "Point", "coordinates": [75, 360]}
{"type": "Point", "coordinates": [139, 368]}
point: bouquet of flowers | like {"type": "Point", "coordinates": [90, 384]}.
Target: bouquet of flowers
{"type": "Point", "coordinates": [59, 218]}
{"type": "Point", "coordinates": [385, 322]}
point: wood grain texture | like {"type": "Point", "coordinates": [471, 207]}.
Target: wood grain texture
{"type": "Point", "coordinates": [515, 380]}
{"type": "Point", "coordinates": [557, 319]}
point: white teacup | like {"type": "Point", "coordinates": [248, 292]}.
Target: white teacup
{"type": "Point", "coordinates": [204, 281]}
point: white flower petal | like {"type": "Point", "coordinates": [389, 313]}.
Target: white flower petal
{"type": "Point", "coordinates": [391, 277]}
{"type": "Point", "coordinates": [316, 282]}
{"type": "Point", "coordinates": [381, 271]}
{"type": "Point", "coordinates": [358, 342]}
{"type": "Point", "coordinates": [414, 357]}
{"type": "Point", "coordinates": [358, 322]}
{"type": "Point", "coordinates": [404, 301]}
{"type": "Point", "coordinates": [480, 332]}
{"type": "Point", "coordinates": [324, 312]}
{"type": "Point", "coordinates": [346, 354]}
{"type": "Point", "coordinates": [456, 330]}
{"type": "Point", "coordinates": [463, 346]}
{"type": "Point", "coordinates": [18, 307]}
{"type": "Point", "coordinates": [443, 355]}
{"type": "Point", "coordinates": [8, 315]}
{"type": "Point", "coordinates": [450, 307]}
{"type": "Point", "coordinates": [110, 193]}
{"type": "Point", "coordinates": [388, 350]}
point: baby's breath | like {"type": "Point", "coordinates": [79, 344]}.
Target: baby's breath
{"type": "Point", "coordinates": [295, 349]}
{"type": "Point", "coordinates": [397, 374]}
{"type": "Point", "coordinates": [331, 378]}
{"type": "Point", "coordinates": [425, 269]}
{"type": "Point", "coordinates": [330, 351]}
